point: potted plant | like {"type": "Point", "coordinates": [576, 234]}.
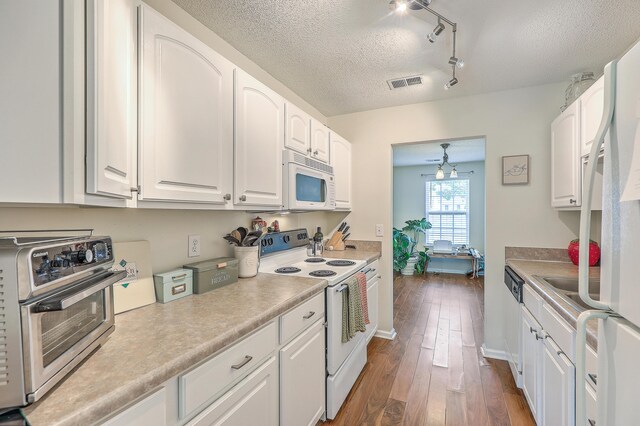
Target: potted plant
{"type": "Point", "coordinates": [423, 262]}
{"type": "Point", "coordinates": [405, 258]}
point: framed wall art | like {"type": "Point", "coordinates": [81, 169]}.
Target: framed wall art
{"type": "Point", "coordinates": [515, 170]}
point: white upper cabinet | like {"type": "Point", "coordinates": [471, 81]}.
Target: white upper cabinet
{"type": "Point", "coordinates": [298, 130]}
{"type": "Point", "coordinates": [186, 116]}
{"type": "Point", "coordinates": [591, 110]}
{"type": "Point", "coordinates": [30, 101]}
{"type": "Point", "coordinates": [111, 98]}
{"type": "Point", "coordinates": [566, 187]}
{"type": "Point", "coordinates": [341, 162]}
{"type": "Point", "coordinates": [319, 141]}
{"type": "Point", "coordinates": [259, 140]}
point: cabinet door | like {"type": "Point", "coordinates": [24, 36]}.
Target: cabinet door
{"type": "Point", "coordinates": [372, 303]}
{"type": "Point", "coordinates": [186, 147]}
{"type": "Point", "coordinates": [30, 101]}
{"type": "Point", "coordinates": [531, 353]}
{"type": "Point", "coordinates": [565, 158]}
{"type": "Point", "coordinates": [302, 372]}
{"type": "Point", "coordinates": [152, 410]}
{"type": "Point", "coordinates": [259, 142]}
{"type": "Point", "coordinates": [298, 130]}
{"type": "Point", "coordinates": [253, 401]}
{"type": "Point", "coordinates": [111, 98]}
{"type": "Point", "coordinates": [319, 141]}
{"type": "Point", "coordinates": [591, 109]}
{"type": "Point", "coordinates": [558, 391]}
{"type": "Point", "coordinates": [341, 162]}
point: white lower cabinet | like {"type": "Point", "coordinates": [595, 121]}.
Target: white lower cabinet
{"type": "Point", "coordinates": [151, 410]}
{"type": "Point", "coordinates": [531, 355]}
{"type": "Point", "coordinates": [302, 378]}
{"type": "Point", "coordinates": [253, 401]}
{"type": "Point", "coordinates": [558, 384]}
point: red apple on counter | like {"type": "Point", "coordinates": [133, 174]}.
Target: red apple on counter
{"type": "Point", "coordinates": [574, 252]}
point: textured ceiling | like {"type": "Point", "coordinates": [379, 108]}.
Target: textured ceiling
{"type": "Point", "coordinates": [338, 54]}
{"type": "Point", "coordinates": [420, 154]}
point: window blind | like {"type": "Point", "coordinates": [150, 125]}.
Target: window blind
{"type": "Point", "coordinates": [448, 210]}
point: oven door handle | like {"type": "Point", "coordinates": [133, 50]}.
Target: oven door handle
{"type": "Point", "coordinates": [80, 292]}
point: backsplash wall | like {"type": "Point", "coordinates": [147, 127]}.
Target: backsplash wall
{"type": "Point", "coordinates": [166, 230]}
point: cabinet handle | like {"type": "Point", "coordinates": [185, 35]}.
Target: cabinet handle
{"type": "Point", "coordinates": [593, 377]}
{"type": "Point", "coordinates": [532, 330]}
{"type": "Point", "coordinates": [243, 198]}
{"type": "Point", "coordinates": [315, 152]}
{"type": "Point", "coordinates": [227, 197]}
{"type": "Point", "coordinates": [572, 201]}
{"type": "Point", "coordinates": [309, 150]}
{"type": "Point", "coordinates": [538, 337]}
{"type": "Point", "coordinates": [592, 422]}
{"type": "Point", "coordinates": [247, 359]}
{"type": "Point", "coordinates": [179, 277]}
{"type": "Point", "coordinates": [309, 315]}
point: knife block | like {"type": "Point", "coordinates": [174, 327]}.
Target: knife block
{"type": "Point", "coordinates": [339, 246]}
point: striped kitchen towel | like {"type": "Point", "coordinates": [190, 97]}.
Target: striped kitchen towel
{"type": "Point", "coordinates": [362, 282]}
{"type": "Point", "coordinates": [352, 317]}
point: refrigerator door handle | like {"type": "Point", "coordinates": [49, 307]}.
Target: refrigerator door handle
{"type": "Point", "coordinates": [581, 361]}
{"type": "Point", "coordinates": [587, 194]}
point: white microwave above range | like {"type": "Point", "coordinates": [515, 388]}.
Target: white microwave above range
{"type": "Point", "coordinates": [308, 184]}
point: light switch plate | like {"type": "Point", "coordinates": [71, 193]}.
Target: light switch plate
{"type": "Point", "coordinates": [194, 245]}
{"type": "Point", "coordinates": [379, 230]}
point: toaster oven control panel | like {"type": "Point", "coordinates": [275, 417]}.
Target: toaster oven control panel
{"type": "Point", "coordinates": [51, 263]}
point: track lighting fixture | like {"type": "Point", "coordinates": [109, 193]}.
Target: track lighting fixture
{"type": "Point", "coordinates": [456, 62]}
{"type": "Point", "coordinates": [451, 83]}
{"type": "Point", "coordinates": [398, 6]}
{"type": "Point", "coordinates": [402, 6]}
{"type": "Point", "coordinates": [436, 32]}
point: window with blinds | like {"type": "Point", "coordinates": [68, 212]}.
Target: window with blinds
{"type": "Point", "coordinates": [448, 210]}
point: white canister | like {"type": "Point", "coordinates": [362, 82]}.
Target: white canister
{"type": "Point", "coordinates": [248, 260]}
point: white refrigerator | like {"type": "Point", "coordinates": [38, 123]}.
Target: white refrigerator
{"type": "Point", "coordinates": [618, 310]}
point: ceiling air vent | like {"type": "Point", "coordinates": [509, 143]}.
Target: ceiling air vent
{"type": "Point", "coordinates": [404, 82]}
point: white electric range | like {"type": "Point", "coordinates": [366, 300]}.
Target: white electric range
{"type": "Point", "coordinates": [285, 253]}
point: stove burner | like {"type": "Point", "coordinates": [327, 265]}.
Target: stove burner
{"type": "Point", "coordinates": [315, 260]}
{"type": "Point", "coordinates": [341, 263]}
{"type": "Point", "coordinates": [322, 273]}
{"type": "Point", "coordinates": [288, 270]}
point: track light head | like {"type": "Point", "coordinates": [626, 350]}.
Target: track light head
{"type": "Point", "coordinates": [398, 6]}
{"type": "Point", "coordinates": [436, 32]}
{"type": "Point", "coordinates": [451, 83]}
{"type": "Point", "coordinates": [456, 62]}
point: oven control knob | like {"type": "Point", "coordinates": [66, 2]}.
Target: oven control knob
{"type": "Point", "coordinates": [82, 256]}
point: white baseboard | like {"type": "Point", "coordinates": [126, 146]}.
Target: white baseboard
{"type": "Point", "coordinates": [493, 353]}
{"type": "Point", "coordinates": [384, 334]}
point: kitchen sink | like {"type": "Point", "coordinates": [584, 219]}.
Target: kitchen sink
{"type": "Point", "coordinates": [567, 288]}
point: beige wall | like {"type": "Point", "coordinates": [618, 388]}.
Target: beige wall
{"type": "Point", "coordinates": [513, 122]}
{"type": "Point", "coordinates": [192, 25]}
{"type": "Point", "coordinates": [166, 230]}
{"type": "Point", "coordinates": [409, 197]}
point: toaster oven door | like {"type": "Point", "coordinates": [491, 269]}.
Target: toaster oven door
{"type": "Point", "coordinates": [61, 329]}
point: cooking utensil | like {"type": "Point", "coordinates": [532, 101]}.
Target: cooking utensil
{"type": "Point", "coordinates": [232, 239]}
{"type": "Point", "coordinates": [243, 232]}
{"type": "Point", "coordinates": [249, 241]}
{"type": "Point", "coordinates": [345, 237]}
{"type": "Point", "coordinates": [342, 225]}
{"type": "Point", "coordinates": [237, 235]}
{"type": "Point", "coordinates": [346, 230]}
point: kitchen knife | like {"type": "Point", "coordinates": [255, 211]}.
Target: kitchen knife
{"type": "Point", "coordinates": [342, 225]}
{"type": "Point", "coordinates": [346, 230]}
{"type": "Point", "coordinates": [345, 237]}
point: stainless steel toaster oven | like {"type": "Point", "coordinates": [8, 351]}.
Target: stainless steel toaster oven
{"type": "Point", "coordinates": [56, 307]}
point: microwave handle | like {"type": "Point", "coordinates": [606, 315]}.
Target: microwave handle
{"type": "Point", "coordinates": [76, 294]}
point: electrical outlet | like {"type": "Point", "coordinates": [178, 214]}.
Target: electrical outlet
{"type": "Point", "coordinates": [379, 230]}
{"type": "Point", "coordinates": [194, 245]}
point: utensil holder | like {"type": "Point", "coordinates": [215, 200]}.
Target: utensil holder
{"type": "Point", "coordinates": [248, 260]}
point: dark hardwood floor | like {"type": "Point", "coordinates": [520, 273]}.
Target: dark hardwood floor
{"type": "Point", "coordinates": [433, 373]}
